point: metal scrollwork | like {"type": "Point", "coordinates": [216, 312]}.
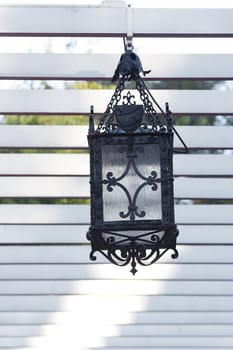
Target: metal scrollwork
{"type": "Point", "coordinates": [144, 249]}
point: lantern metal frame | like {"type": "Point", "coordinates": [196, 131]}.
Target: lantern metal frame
{"type": "Point", "coordinates": [121, 126]}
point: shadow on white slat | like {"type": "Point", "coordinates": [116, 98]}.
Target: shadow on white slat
{"type": "Point", "coordinates": [105, 315]}
{"type": "Point", "coordinates": [95, 317]}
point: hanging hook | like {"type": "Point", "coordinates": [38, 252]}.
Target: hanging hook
{"type": "Point", "coordinates": [128, 39]}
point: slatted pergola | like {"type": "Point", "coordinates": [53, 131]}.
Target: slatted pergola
{"type": "Point", "coordinates": [51, 296]}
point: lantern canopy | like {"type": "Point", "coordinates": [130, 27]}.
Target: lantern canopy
{"type": "Point", "coordinates": [131, 175]}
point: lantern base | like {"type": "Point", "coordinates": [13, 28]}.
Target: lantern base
{"type": "Point", "coordinates": [122, 248]}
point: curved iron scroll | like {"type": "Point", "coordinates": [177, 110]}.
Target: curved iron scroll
{"type": "Point", "coordinates": [144, 249]}
{"type": "Point", "coordinates": [111, 181]}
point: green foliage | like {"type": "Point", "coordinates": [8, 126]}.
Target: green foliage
{"type": "Point", "coordinates": [44, 201]}
{"type": "Point", "coordinates": [45, 119]}
{"type": "Point", "coordinates": [184, 84]}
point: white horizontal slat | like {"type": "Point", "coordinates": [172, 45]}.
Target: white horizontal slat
{"type": "Point", "coordinates": [79, 101]}
{"type": "Point", "coordinates": [42, 234]}
{"type": "Point", "coordinates": [80, 66]}
{"type": "Point", "coordinates": [165, 341]}
{"type": "Point", "coordinates": [44, 187]}
{"type": "Point", "coordinates": [37, 136]}
{"type": "Point", "coordinates": [44, 136]}
{"type": "Point", "coordinates": [205, 137]}
{"type": "Point", "coordinates": [38, 318]}
{"type": "Point", "coordinates": [187, 346]}
{"type": "Point", "coordinates": [158, 271]}
{"type": "Point", "coordinates": [66, 20]}
{"type": "Point", "coordinates": [52, 331]}
{"type": "Point", "coordinates": [73, 187]}
{"type": "Point", "coordinates": [81, 20]}
{"type": "Point", "coordinates": [203, 214]}
{"type": "Point", "coordinates": [82, 303]}
{"type": "Point", "coordinates": [44, 214]}
{"type": "Point", "coordinates": [78, 164]}
{"type": "Point", "coordinates": [80, 254]}
{"type": "Point", "coordinates": [79, 214]}
{"type": "Point", "coordinates": [123, 343]}
{"type": "Point", "coordinates": [45, 164]}
{"type": "Point", "coordinates": [203, 165]}
{"type": "Point", "coordinates": [148, 342]}
{"type": "Point", "coordinates": [118, 287]}
{"type": "Point", "coordinates": [203, 188]}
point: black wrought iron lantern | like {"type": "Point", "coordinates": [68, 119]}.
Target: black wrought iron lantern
{"type": "Point", "coordinates": [131, 175]}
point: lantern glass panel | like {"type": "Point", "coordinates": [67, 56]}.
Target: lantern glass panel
{"type": "Point", "coordinates": [131, 181]}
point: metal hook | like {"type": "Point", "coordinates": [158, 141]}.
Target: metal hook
{"type": "Point", "coordinates": [128, 40]}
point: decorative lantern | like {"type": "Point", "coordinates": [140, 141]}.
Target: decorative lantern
{"type": "Point", "coordinates": [131, 175]}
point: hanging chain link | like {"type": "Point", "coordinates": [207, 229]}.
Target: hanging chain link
{"type": "Point", "coordinates": [150, 112]}
{"type": "Point", "coordinates": [106, 121]}
{"type": "Point", "coordinates": [116, 97]}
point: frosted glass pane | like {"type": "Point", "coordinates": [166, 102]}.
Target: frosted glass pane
{"type": "Point", "coordinates": [131, 191]}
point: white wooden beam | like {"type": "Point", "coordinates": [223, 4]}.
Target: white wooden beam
{"type": "Point", "coordinates": [79, 214]}
{"type": "Point", "coordinates": [141, 331]}
{"type": "Point", "coordinates": [78, 164]}
{"type": "Point", "coordinates": [76, 234]}
{"type": "Point", "coordinates": [82, 303]}
{"type": "Point", "coordinates": [69, 136]}
{"type": "Point", "coordinates": [81, 21]}
{"type": "Point", "coordinates": [106, 271]}
{"type": "Point", "coordinates": [79, 187]}
{"type": "Point", "coordinates": [102, 66]}
{"type": "Point", "coordinates": [37, 318]}
{"type": "Point", "coordinates": [79, 101]}
{"type": "Point", "coordinates": [67, 254]}
{"type": "Point", "coordinates": [116, 287]}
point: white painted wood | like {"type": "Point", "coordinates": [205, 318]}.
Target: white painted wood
{"type": "Point", "coordinates": [67, 254]}
{"type": "Point", "coordinates": [81, 20]}
{"type": "Point", "coordinates": [80, 66]}
{"type": "Point", "coordinates": [126, 343]}
{"type": "Point", "coordinates": [203, 188]}
{"type": "Point", "coordinates": [78, 164]}
{"type": "Point", "coordinates": [46, 164]}
{"type": "Point", "coordinates": [73, 187]}
{"type": "Point", "coordinates": [175, 22]}
{"type": "Point", "coordinates": [117, 287]}
{"type": "Point", "coordinates": [44, 214]}
{"type": "Point", "coordinates": [88, 303]}
{"type": "Point", "coordinates": [203, 165]}
{"type": "Point", "coordinates": [141, 331]}
{"type": "Point", "coordinates": [203, 214]}
{"type": "Point", "coordinates": [44, 187]}
{"type": "Point", "coordinates": [44, 136]}
{"type": "Point", "coordinates": [205, 137]}
{"type": "Point", "coordinates": [157, 348]}
{"type": "Point", "coordinates": [120, 343]}
{"type": "Point", "coordinates": [42, 234]}
{"type": "Point", "coordinates": [157, 272]}
{"type": "Point", "coordinates": [38, 318]}
{"type": "Point", "coordinates": [79, 101]}
{"type": "Point", "coordinates": [79, 214]}
{"type": "Point", "coordinates": [37, 136]}
{"type": "Point", "coordinates": [67, 20]}
{"type": "Point", "coordinates": [170, 341]}
{"type": "Point", "coordinates": [38, 234]}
